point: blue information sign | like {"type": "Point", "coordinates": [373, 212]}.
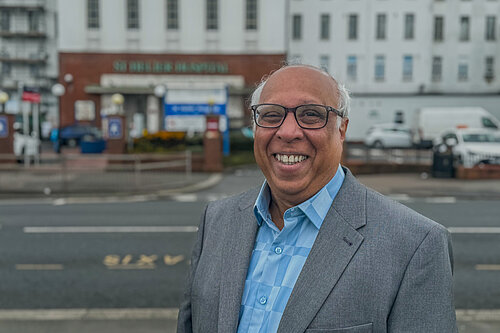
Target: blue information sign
{"type": "Point", "coordinates": [4, 127]}
{"type": "Point", "coordinates": [115, 130]}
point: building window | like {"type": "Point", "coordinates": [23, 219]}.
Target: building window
{"type": "Point", "coordinates": [489, 72]}
{"type": "Point", "coordinates": [353, 27]}
{"type": "Point", "coordinates": [251, 18]}
{"type": "Point", "coordinates": [172, 14]}
{"type": "Point", "coordinates": [132, 14]}
{"type": "Point", "coordinates": [407, 68]}
{"type": "Point", "coordinates": [324, 62]}
{"type": "Point", "coordinates": [212, 15]}
{"type": "Point", "coordinates": [325, 26]}
{"type": "Point", "coordinates": [490, 27]}
{"type": "Point", "coordinates": [464, 28]}
{"type": "Point", "coordinates": [297, 26]}
{"type": "Point", "coordinates": [437, 68]}
{"type": "Point", "coordinates": [33, 21]}
{"type": "Point", "coordinates": [352, 67]}
{"type": "Point", "coordinates": [381, 26]}
{"type": "Point", "coordinates": [6, 69]}
{"type": "Point", "coordinates": [4, 20]}
{"type": "Point", "coordinates": [438, 28]}
{"type": "Point", "coordinates": [379, 68]}
{"type": "Point", "coordinates": [409, 26]}
{"type": "Point", "coordinates": [93, 14]}
{"type": "Point", "coordinates": [463, 69]}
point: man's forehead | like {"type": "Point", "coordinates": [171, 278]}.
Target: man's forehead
{"type": "Point", "coordinates": [300, 76]}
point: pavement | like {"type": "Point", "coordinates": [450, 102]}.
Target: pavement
{"type": "Point", "coordinates": [398, 186]}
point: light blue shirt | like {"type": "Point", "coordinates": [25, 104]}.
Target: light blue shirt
{"type": "Point", "coordinates": [278, 256]}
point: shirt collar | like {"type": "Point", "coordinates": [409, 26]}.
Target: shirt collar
{"type": "Point", "coordinates": [315, 208]}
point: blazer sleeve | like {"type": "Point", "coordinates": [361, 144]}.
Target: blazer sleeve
{"type": "Point", "coordinates": [424, 302]}
{"type": "Point", "coordinates": [184, 320]}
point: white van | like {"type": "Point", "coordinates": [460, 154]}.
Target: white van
{"type": "Point", "coordinates": [431, 121]}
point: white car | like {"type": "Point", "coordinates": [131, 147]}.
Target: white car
{"type": "Point", "coordinates": [388, 136]}
{"type": "Point", "coordinates": [471, 146]}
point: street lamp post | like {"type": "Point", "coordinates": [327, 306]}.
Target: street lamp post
{"type": "Point", "coordinates": [4, 97]}
{"type": "Point", "coordinates": [58, 90]}
{"type": "Point", "coordinates": [117, 100]}
{"type": "Point", "coordinates": [160, 91]}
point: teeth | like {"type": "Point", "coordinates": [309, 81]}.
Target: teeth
{"type": "Point", "coordinates": [290, 159]}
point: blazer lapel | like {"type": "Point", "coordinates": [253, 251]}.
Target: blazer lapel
{"type": "Point", "coordinates": [240, 235]}
{"type": "Point", "coordinates": [335, 245]}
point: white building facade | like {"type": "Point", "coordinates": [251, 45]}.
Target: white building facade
{"type": "Point", "coordinates": [28, 53]}
{"type": "Point", "coordinates": [399, 55]}
{"type": "Point", "coordinates": [132, 46]}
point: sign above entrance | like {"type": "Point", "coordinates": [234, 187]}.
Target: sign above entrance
{"type": "Point", "coordinates": [178, 67]}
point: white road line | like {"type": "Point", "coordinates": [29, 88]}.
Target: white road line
{"type": "Point", "coordinates": [485, 267]}
{"type": "Point", "coordinates": [401, 197]}
{"type": "Point", "coordinates": [39, 267]}
{"type": "Point", "coordinates": [42, 230]}
{"type": "Point", "coordinates": [185, 197]}
{"type": "Point", "coordinates": [89, 314]}
{"type": "Point", "coordinates": [478, 315]}
{"type": "Point", "coordinates": [492, 315]}
{"type": "Point", "coordinates": [440, 200]}
{"type": "Point", "coordinates": [474, 230]}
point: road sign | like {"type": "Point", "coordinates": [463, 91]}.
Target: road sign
{"type": "Point", "coordinates": [115, 130]}
{"type": "Point", "coordinates": [4, 127]}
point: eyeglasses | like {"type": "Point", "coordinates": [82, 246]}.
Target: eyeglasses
{"type": "Point", "coordinates": [310, 116]}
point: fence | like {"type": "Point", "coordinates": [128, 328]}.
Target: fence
{"type": "Point", "coordinates": [365, 154]}
{"type": "Point", "coordinates": [102, 173]}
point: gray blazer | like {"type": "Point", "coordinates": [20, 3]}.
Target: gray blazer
{"type": "Point", "coordinates": [376, 266]}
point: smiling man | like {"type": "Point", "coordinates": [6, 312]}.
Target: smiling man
{"type": "Point", "coordinates": [313, 250]}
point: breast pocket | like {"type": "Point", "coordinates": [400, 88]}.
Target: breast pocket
{"type": "Point", "coordinates": [365, 328]}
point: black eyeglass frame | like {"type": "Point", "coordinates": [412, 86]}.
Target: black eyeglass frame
{"type": "Point", "coordinates": [341, 114]}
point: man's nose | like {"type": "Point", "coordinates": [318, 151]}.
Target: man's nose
{"type": "Point", "coordinates": [289, 130]}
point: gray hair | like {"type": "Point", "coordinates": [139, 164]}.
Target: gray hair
{"type": "Point", "coordinates": [344, 103]}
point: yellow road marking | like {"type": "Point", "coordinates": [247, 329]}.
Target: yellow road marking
{"type": "Point", "coordinates": [132, 266]}
{"type": "Point", "coordinates": [487, 267]}
{"type": "Point", "coordinates": [39, 267]}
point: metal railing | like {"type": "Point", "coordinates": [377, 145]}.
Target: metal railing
{"type": "Point", "coordinates": [102, 173]}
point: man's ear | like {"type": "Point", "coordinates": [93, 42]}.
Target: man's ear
{"type": "Point", "coordinates": [343, 128]}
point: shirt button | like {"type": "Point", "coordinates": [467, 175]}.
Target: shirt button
{"type": "Point", "coordinates": [263, 300]}
{"type": "Point", "coordinates": [278, 250]}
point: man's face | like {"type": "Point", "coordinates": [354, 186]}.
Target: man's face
{"type": "Point", "coordinates": [293, 183]}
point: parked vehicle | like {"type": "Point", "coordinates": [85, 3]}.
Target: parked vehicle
{"type": "Point", "coordinates": [390, 135]}
{"type": "Point", "coordinates": [471, 146]}
{"type": "Point", "coordinates": [72, 135]}
{"type": "Point", "coordinates": [431, 121]}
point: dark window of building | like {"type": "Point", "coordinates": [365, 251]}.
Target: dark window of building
{"type": "Point", "coordinates": [4, 20]}
{"type": "Point", "coordinates": [489, 72]}
{"type": "Point", "coordinates": [409, 26]}
{"type": "Point", "coordinates": [172, 14]}
{"type": "Point", "coordinates": [490, 28]}
{"type": "Point", "coordinates": [407, 68]}
{"type": "Point", "coordinates": [381, 26]}
{"type": "Point", "coordinates": [464, 28]}
{"type": "Point", "coordinates": [324, 62]}
{"type": "Point", "coordinates": [212, 15]}
{"type": "Point", "coordinates": [6, 69]}
{"type": "Point", "coordinates": [325, 26]}
{"type": "Point", "coordinates": [93, 14]}
{"type": "Point", "coordinates": [352, 67]}
{"type": "Point", "coordinates": [463, 69]}
{"type": "Point", "coordinates": [437, 68]}
{"type": "Point", "coordinates": [379, 68]}
{"type": "Point", "coordinates": [133, 14]}
{"type": "Point", "coordinates": [251, 17]}
{"type": "Point", "coordinates": [33, 20]}
{"type": "Point", "coordinates": [297, 26]}
{"type": "Point", "coordinates": [438, 28]}
{"type": "Point", "coordinates": [352, 27]}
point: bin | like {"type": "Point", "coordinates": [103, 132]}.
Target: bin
{"type": "Point", "coordinates": [442, 162]}
{"type": "Point", "coordinates": [92, 146]}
